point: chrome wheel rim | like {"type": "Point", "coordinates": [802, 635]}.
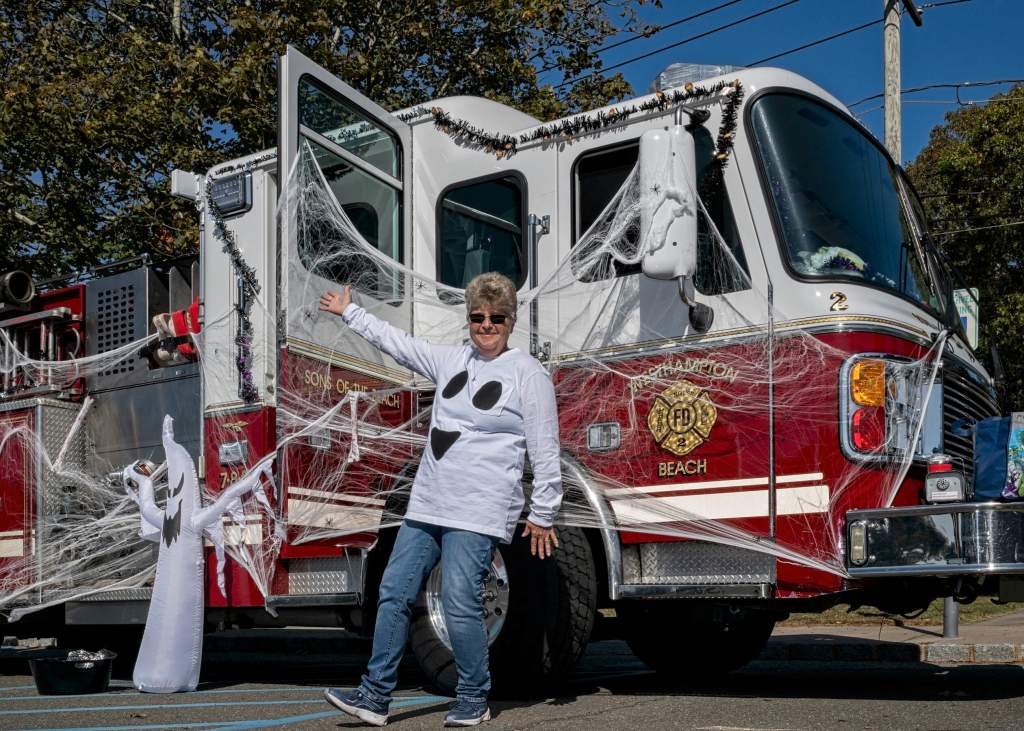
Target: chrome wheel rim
{"type": "Point", "coordinates": [495, 595]}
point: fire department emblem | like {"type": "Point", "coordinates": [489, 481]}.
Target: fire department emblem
{"type": "Point", "coordinates": [682, 417]}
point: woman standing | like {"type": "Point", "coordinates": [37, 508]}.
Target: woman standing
{"type": "Point", "coordinates": [494, 405]}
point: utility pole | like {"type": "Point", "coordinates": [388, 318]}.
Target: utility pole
{"type": "Point", "coordinates": [894, 144]}
{"type": "Point", "coordinates": [893, 109]}
{"type": "Point", "coordinates": [176, 20]}
{"type": "Point", "coordinates": [891, 40]}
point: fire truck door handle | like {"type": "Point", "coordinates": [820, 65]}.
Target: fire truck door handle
{"type": "Point", "coordinates": [240, 287]}
{"type": "Point", "coordinates": [536, 226]}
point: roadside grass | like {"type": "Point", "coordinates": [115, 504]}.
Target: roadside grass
{"type": "Point", "coordinates": [980, 609]}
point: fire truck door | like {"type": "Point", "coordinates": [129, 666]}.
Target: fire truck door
{"type": "Point", "coordinates": [345, 182]}
{"type": "Point", "coordinates": [679, 420]}
{"type": "Point", "coordinates": [363, 153]}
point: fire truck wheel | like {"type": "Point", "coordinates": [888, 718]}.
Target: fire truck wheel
{"type": "Point", "coordinates": [550, 613]}
{"type": "Point", "coordinates": [665, 639]}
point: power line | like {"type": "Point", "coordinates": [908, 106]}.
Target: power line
{"type": "Point", "coordinates": [979, 228]}
{"type": "Point", "coordinates": [847, 32]}
{"type": "Point", "coordinates": [970, 104]}
{"type": "Point", "coordinates": [817, 42]}
{"type": "Point", "coordinates": [680, 43]}
{"type": "Point", "coordinates": [657, 29]}
{"type": "Point", "coordinates": [954, 195]}
{"type": "Point", "coordinates": [962, 84]}
{"type": "Point", "coordinates": [928, 6]}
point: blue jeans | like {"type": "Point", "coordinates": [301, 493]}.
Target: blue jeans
{"type": "Point", "coordinates": [465, 559]}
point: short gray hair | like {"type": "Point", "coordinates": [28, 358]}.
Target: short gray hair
{"type": "Point", "coordinates": [493, 289]}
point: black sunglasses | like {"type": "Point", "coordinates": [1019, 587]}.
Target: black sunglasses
{"type": "Point", "coordinates": [477, 319]}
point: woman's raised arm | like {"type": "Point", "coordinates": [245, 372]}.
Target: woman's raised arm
{"type": "Point", "coordinates": [412, 352]}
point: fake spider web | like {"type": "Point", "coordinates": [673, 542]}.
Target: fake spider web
{"type": "Point", "coordinates": [619, 351]}
{"type": "Point", "coordinates": [710, 426]}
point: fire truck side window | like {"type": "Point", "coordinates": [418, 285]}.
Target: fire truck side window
{"type": "Point", "coordinates": [371, 200]}
{"type": "Point", "coordinates": [325, 113]}
{"type": "Point", "coordinates": [600, 174]}
{"type": "Point", "coordinates": [480, 229]}
{"type": "Point", "coordinates": [375, 211]}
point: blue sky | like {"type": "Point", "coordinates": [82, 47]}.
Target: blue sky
{"type": "Point", "coordinates": [979, 40]}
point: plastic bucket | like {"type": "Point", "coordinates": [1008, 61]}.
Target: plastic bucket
{"type": "Point", "coordinates": [61, 676]}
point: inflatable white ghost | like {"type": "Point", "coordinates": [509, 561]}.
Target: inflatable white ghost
{"type": "Point", "coordinates": [172, 643]}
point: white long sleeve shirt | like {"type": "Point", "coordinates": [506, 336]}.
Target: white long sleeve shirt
{"type": "Point", "coordinates": [487, 415]}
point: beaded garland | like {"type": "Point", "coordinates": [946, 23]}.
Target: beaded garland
{"type": "Point", "coordinates": [505, 145]}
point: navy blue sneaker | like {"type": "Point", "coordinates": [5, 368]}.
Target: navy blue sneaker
{"type": "Point", "coordinates": [356, 703]}
{"type": "Point", "coordinates": [467, 713]}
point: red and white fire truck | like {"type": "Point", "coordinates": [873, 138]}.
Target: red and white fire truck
{"type": "Point", "coordinates": [815, 213]}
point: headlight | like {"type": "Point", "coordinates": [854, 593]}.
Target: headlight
{"type": "Point", "coordinates": [858, 543]}
{"type": "Point", "coordinates": [882, 403]}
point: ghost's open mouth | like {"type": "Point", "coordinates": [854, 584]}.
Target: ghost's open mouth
{"type": "Point", "coordinates": [181, 483]}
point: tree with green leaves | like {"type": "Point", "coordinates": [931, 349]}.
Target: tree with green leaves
{"type": "Point", "coordinates": [971, 179]}
{"type": "Point", "coordinates": [103, 98]}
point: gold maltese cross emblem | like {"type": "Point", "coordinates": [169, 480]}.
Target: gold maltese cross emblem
{"type": "Point", "coordinates": [681, 417]}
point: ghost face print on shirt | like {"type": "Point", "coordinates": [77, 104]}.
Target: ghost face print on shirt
{"type": "Point", "coordinates": [460, 405]}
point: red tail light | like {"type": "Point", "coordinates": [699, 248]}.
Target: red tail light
{"type": "Point", "coordinates": [867, 429]}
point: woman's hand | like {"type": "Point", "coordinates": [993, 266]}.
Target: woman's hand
{"type": "Point", "coordinates": [334, 302]}
{"type": "Point", "coordinates": [543, 541]}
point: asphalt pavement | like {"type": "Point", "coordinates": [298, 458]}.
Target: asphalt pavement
{"type": "Point", "coordinates": [809, 677]}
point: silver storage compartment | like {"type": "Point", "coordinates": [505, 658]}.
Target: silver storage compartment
{"type": "Point", "coordinates": [126, 424]}
{"type": "Point", "coordinates": [118, 309]}
{"type": "Point", "coordinates": [131, 397]}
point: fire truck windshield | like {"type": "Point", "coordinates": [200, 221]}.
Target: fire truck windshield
{"type": "Point", "coordinates": [841, 210]}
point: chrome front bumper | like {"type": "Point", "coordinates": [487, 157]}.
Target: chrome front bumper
{"type": "Point", "coordinates": [955, 539]}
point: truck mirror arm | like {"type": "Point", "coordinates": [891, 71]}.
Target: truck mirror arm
{"type": "Point", "coordinates": [701, 316]}
{"type": "Point", "coordinates": [697, 118]}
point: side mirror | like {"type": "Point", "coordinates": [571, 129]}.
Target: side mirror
{"type": "Point", "coordinates": [998, 372]}
{"type": "Point", "coordinates": [668, 214]}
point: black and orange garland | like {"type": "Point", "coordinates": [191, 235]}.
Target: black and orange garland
{"type": "Point", "coordinates": [505, 145]}
{"type": "Point", "coordinates": [462, 131]}
{"type": "Point", "coordinates": [714, 175]}
{"type": "Point", "coordinates": [250, 286]}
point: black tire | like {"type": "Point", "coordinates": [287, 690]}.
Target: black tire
{"type": "Point", "coordinates": [690, 644]}
{"type": "Point", "coordinates": [552, 604]}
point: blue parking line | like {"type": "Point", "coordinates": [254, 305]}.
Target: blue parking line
{"type": "Point", "coordinates": [15, 687]}
{"type": "Point", "coordinates": [212, 691]}
{"type": "Point", "coordinates": [240, 725]}
{"type": "Point", "coordinates": [154, 707]}
{"type": "Point", "coordinates": [270, 723]}
{"type": "Point", "coordinates": [205, 724]}
{"type": "Point", "coordinates": [245, 725]}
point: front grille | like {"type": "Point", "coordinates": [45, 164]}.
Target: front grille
{"type": "Point", "coordinates": [965, 396]}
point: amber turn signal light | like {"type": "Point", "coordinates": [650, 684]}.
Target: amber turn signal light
{"type": "Point", "coordinates": [867, 382]}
